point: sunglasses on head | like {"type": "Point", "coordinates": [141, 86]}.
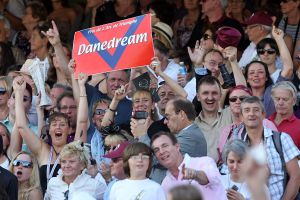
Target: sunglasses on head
{"type": "Point", "coordinates": [206, 36]}
{"type": "Point", "coordinates": [234, 99]}
{"type": "Point", "coordinates": [100, 112]}
{"type": "Point", "coordinates": [24, 163]}
{"type": "Point", "coordinates": [2, 91]}
{"type": "Point", "coordinates": [263, 51]}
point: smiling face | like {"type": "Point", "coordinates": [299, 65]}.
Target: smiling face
{"type": "Point", "coordinates": [22, 172]}
{"type": "Point", "coordinates": [59, 131]}
{"type": "Point", "coordinates": [115, 80]}
{"type": "Point", "coordinates": [252, 115]}
{"type": "Point", "coordinates": [256, 76]}
{"type": "Point", "coordinates": [165, 151]}
{"type": "Point", "coordinates": [99, 114]}
{"type": "Point", "coordinates": [142, 101]}
{"type": "Point", "coordinates": [212, 61]}
{"type": "Point", "coordinates": [209, 96]}
{"type": "Point", "coordinates": [71, 166]}
{"type": "Point", "coordinates": [268, 58]}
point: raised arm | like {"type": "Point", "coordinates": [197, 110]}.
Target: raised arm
{"type": "Point", "coordinates": [285, 55]}
{"type": "Point", "coordinates": [33, 142]}
{"type": "Point", "coordinates": [53, 36]}
{"type": "Point", "coordinates": [75, 86]}
{"type": "Point", "coordinates": [231, 54]}
{"type": "Point", "coordinates": [15, 143]}
{"type": "Point", "coordinates": [82, 117]}
{"type": "Point", "coordinates": [156, 67]}
{"type": "Point", "coordinates": [109, 115]}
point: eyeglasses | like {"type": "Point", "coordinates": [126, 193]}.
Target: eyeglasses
{"type": "Point", "coordinates": [140, 157]}
{"type": "Point", "coordinates": [2, 91]}
{"type": "Point", "coordinates": [25, 98]}
{"type": "Point", "coordinates": [65, 108]}
{"type": "Point", "coordinates": [24, 163]}
{"type": "Point", "coordinates": [115, 160]}
{"type": "Point", "coordinates": [206, 36]}
{"type": "Point", "coordinates": [66, 195]}
{"type": "Point", "coordinates": [234, 99]}
{"type": "Point", "coordinates": [263, 51]}
{"type": "Point", "coordinates": [100, 112]}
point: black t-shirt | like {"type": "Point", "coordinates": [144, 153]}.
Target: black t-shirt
{"type": "Point", "coordinates": [107, 14]}
{"type": "Point", "coordinates": [8, 184]}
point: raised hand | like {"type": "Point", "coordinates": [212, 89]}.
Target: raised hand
{"type": "Point", "coordinates": [52, 34]}
{"type": "Point", "coordinates": [72, 66]}
{"type": "Point", "coordinates": [196, 56]}
{"type": "Point", "coordinates": [277, 33]}
{"type": "Point", "coordinates": [230, 53]}
{"type": "Point", "coordinates": [122, 92]}
{"type": "Point", "coordinates": [155, 65]}
{"type": "Point", "coordinates": [82, 78]}
{"type": "Point", "coordinates": [19, 84]}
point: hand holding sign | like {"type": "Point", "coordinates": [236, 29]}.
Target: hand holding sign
{"type": "Point", "coordinates": [156, 66]}
{"type": "Point", "coordinates": [52, 34]}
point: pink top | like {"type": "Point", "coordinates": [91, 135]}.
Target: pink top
{"type": "Point", "coordinates": [213, 190]}
{"type": "Point", "coordinates": [227, 129]}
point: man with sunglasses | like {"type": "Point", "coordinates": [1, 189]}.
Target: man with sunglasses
{"type": "Point", "coordinates": [8, 182]}
{"type": "Point", "coordinates": [116, 167]}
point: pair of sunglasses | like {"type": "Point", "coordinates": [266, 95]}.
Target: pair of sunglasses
{"type": "Point", "coordinates": [100, 112]}
{"type": "Point", "coordinates": [234, 99]}
{"type": "Point", "coordinates": [24, 163]}
{"type": "Point", "coordinates": [108, 148]}
{"type": "Point", "coordinates": [2, 91]}
{"type": "Point", "coordinates": [206, 36]}
{"type": "Point", "coordinates": [263, 51]}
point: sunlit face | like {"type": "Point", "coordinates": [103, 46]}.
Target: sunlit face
{"type": "Point", "coordinates": [4, 96]}
{"type": "Point", "coordinates": [257, 76]}
{"type": "Point", "coordinates": [283, 101]}
{"type": "Point", "coordinates": [22, 172]}
{"type": "Point", "coordinates": [165, 152]}
{"type": "Point", "coordinates": [235, 100]}
{"type": "Point", "coordinates": [172, 118]}
{"type": "Point", "coordinates": [268, 58]}
{"type": "Point", "coordinates": [59, 131]}
{"type": "Point", "coordinates": [26, 102]}
{"type": "Point", "coordinates": [143, 102]}
{"type": "Point", "coordinates": [68, 106]}
{"type": "Point", "coordinates": [253, 32]}
{"type": "Point", "coordinates": [139, 164]}
{"type": "Point", "coordinates": [212, 61]}
{"type": "Point", "coordinates": [252, 115]}
{"type": "Point", "coordinates": [5, 138]}
{"type": "Point", "coordinates": [165, 94]}
{"type": "Point", "coordinates": [209, 96]}
{"type": "Point", "coordinates": [99, 114]}
{"type": "Point", "coordinates": [114, 81]}
{"type": "Point", "coordinates": [235, 164]}
{"type": "Point", "coordinates": [71, 166]}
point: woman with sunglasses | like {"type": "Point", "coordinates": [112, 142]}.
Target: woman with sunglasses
{"type": "Point", "coordinates": [137, 159]}
{"type": "Point", "coordinates": [24, 166]}
{"type": "Point", "coordinates": [235, 96]}
{"type": "Point", "coordinates": [59, 128]}
{"type": "Point", "coordinates": [73, 179]}
{"type": "Point", "coordinates": [258, 77]}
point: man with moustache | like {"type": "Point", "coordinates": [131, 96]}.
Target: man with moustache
{"type": "Point", "coordinates": [211, 119]}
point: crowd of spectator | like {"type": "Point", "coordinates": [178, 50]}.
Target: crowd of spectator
{"type": "Point", "coordinates": [215, 115]}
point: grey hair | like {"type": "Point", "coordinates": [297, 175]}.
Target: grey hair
{"type": "Point", "coordinates": [253, 99]}
{"type": "Point", "coordinates": [285, 85]}
{"type": "Point", "coordinates": [236, 146]}
{"type": "Point", "coordinates": [62, 86]}
{"type": "Point", "coordinates": [5, 22]}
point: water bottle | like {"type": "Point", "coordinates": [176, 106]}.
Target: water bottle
{"type": "Point", "coordinates": [182, 69]}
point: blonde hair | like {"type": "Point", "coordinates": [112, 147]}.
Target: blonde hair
{"type": "Point", "coordinates": [76, 148]}
{"type": "Point", "coordinates": [114, 139]}
{"type": "Point", "coordinates": [34, 179]}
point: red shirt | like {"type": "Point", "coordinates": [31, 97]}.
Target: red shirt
{"type": "Point", "coordinates": [290, 126]}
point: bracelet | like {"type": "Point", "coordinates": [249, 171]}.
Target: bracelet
{"type": "Point", "coordinates": [112, 110]}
